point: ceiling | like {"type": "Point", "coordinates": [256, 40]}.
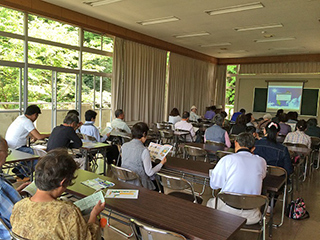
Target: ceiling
{"type": "Point", "coordinates": [300, 20]}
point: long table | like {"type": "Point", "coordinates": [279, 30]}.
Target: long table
{"type": "Point", "coordinates": [163, 211]}
{"type": "Point", "coordinates": [15, 159]}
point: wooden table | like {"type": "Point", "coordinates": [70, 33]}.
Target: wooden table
{"type": "Point", "coordinates": [90, 149]}
{"type": "Point", "coordinates": [17, 157]}
{"type": "Point", "coordinates": [163, 211]}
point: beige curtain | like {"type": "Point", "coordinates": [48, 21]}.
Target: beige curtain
{"type": "Point", "coordinates": [139, 74]}
{"type": "Point", "coordinates": [191, 82]}
{"type": "Point", "coordinates": [220, 88]}
{"type": "Point", "coordinates": [279, 68]}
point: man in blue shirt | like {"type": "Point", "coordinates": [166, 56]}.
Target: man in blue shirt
{"type": "Point", "coordinates": [236, 114]}
{"type": "Point", "coordinates": [8, 195]}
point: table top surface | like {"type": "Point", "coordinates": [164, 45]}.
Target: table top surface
{"type": "Point", "coordinates": [192, 220]}
{"type": "Point", "coordinates": [94, 145]}
{"type": "Point", "coordinates": [210, 148]}
{"type": "Point", "coordinates": [18, 156]}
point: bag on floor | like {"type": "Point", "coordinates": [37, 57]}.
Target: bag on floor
{"type": "Point", "coordinates": [297, 210]}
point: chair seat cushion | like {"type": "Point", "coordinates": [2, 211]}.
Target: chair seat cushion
{"type": "Point", "coordinates": [186, 196]}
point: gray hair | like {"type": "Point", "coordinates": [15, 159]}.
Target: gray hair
{"type": "Point", "coordinates": [71, 118]}
{"type": "Point", "coordinates": [246, 140]}
{"type": "Point", "coordinates": [218, 119]}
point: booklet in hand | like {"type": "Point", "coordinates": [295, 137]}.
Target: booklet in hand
{"type": "Point", "coordinates": [158, 151]}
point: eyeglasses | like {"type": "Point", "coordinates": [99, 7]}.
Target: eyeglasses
{"type": "Point", "coordinates": [9, 151]}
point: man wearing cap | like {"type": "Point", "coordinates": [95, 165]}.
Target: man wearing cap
{"type": "Point", "coordinates": [193, 114]}
{"type": "Point", "coordinates": [264, 122]}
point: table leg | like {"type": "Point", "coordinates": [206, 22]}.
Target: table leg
{"type": "Point", "coordinates": [104, 161]}
{"type": "Point", "coordinates": [271, 214]}
{"type": "Point", "coordinates": [31, 171]}
{"type": "Point", "coordinates": [86, 152]}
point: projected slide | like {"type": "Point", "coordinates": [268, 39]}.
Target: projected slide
{"type": "Point", "coordinates": [284, 95]}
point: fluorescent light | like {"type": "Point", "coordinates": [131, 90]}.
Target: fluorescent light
{"type": "Point", "coordinates": [216, 44]}
{"type": "Point", "coordinates": [274, 25]}
{"type": "Point", "coordinates": [274, 39]}
{"type": "Point", "coordinates": [237, 8]}
{"type": "Point", "coordinates": [102, 2]}
{"type": "Point", "coordinates": [159, 20]}
{"type": "Point", "coordinates": [193, 35]}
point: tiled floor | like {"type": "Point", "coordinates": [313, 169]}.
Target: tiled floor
{"type": "Point", "coordinates": [291, 229]}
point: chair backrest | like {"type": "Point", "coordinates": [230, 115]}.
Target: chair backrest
{"type": "Point", "coordinates": [124, 174]}
{"type": "Point", "coordinates": [244, 201]}
{"type": "Point", "coordinates": [89, 138]}
{"type": "Point", "coordinates": [219, 144]}
{"type": "Point", "coordinates": [195, 151]}
{"type": "Point", "coordinates": [276, 171]}
{"type": "Point", "coordinates": [315, 141]}
{"type": "Point", "coordinates": [176, 183]}
{"type": "Point", "coordinates": [289, 144]}
{"type": "Point", "coordinates": [12, 234]}
{"type": "Point", "coordinates": [220, 154]}
{"type": "Point", "coordinates": [151, 233]}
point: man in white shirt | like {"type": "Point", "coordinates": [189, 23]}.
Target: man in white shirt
{"type": "Point", "coordinates": [185, 125]}
{"type": "Point", "coordinates": [241, 172]}
{"type": "Point", "coordinates": [21, 128]}
{"type": "Point", "coordinates": [193, 114]}
{"type": "Point", "coordinates": [118, 123]}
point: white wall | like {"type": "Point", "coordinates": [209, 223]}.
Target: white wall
{"type": "Point", "coordinates": [245, 86]}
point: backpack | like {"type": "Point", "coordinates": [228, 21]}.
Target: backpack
{"type": "Point", "coordinates": [297, 210]}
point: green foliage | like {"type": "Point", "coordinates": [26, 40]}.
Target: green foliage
{"type": "Point", "coordinates": [39, 80]}
{"type": "Point", "coordinates": [231, 84]}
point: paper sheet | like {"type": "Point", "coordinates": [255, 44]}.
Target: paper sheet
{"type": "Point", "coordinates": [122, 193]}
{"type": "Point", "coordinates": [89, 201]}
{"type": "Point", "coordinates": [97, 183]}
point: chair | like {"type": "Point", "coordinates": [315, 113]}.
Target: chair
{"type": "Point", "coordinates": [315, 145]}
{"type": "Point", "coordinates": [147, 232]}
{"type": "Point", "coordinates": [220, 154]}
{"type": "Point", "coordinates": [166, 136]}
{"type": "Point", "coordinates": [124, 174]}
{"type": "Point", "coordinates": [178, 185]}
{"type": "Point", "coordinates": [246, 202]}
{"type": "Point", "coordinates": [12, 234]}
{"type": "Point", "coordinates": [195, 152]}
{"type": "Point", "coordinates": [218, 144]}
{"type": "Point", "coordinates": [278, 171]}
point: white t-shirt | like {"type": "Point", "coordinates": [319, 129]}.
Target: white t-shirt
{"type": "Point", "coordinates": [174, 119]}
{"type": "Point", "coordinates": [18, 131]}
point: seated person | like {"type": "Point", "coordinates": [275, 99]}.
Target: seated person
{"type": "Point", "coordinates": [236, 114]}
{"type": "Point", "coordinates": [186, 126]}
{"type": "Point", "coordinates": [210, 113]}
{"type": "Point", "coordinates": [193, 114]}
{"type": "Point", "coordinates": [64, 136]}
{"type": "Point", "coordinates": [42, 216]}
{"type": "Point", "coordinates": [284, 128]}
{"type": "Point", "coordinates": [299, 135]}
{"type": "Point", "coordinates": [240, 125]}
{"type": "Point", "coordinates": [174, 116]}
{"type": "Point", "coordinates": [216, 133]}
{"type": "Point", "coordinates": [250, 120]}
{"type": "Point", "coordinates": [313, 129]}
{"type": "Point", "coordinates": [253, 131]}
{"type": "Point", "coordinates": [241, 172]}
{"type": "Point", "coordinates": [136, 157]}
{"type": "Point", "coordinates": [118, 122]}
{"type": "Point", "coordinates": [264, 122]}
{"type": "Point", "coordinates": [8, 195]}
{"type": "Point", "coordinates": [273, 152]}
{"type": "Point", "coordinates": [276, 118]}
{"type": "Point", "coordinates": [292, 117]}
{"type": "Point", "coordinates": [89, 129]}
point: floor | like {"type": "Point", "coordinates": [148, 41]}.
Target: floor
{"type": "Point", "coordinates": [291, 229]}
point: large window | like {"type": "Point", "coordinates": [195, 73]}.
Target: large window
{"type": "Point", "coordinates": [232, 70]}
{"type": "Point", "coordinates": [61, 58]}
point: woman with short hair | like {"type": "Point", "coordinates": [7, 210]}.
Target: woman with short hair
{"type": "Point", "coordinates": [174, 116]}
{"type": "Point", "coordinates": [43, 216]}
{"type": "Point", "coordinates": [299, 135]}
{"type": "Point", "coordinates": [136, 157]}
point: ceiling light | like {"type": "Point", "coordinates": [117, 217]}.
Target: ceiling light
{"type": "Point", "coordinates": [274, 39]}
{"type": "Point", "coordinates": [274, 25]}
{"type": "Point", "coordinates": [237, 8]}
{"type": "Point", "coordinates": [193, 35]}
{"type": "Point", "coordinates": [216, 44]}
{"type": "Point", "coordinates": [159, 20]}
{"type": "Point", "coordinates": [102, 2]}
{"type": "Point", "coordinates": [287, 49]}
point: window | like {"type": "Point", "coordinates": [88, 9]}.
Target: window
{"type": "Point", "coordinates": [232, 70]}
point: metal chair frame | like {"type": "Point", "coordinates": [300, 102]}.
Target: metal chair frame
{"type": "Point", "coordinates": [13, 235]}
{"type": "Point", "coordinates": [180, 184]}
{"type": "Point", "coordinates": [149, 232]}
{"type": "Point", "coordinates": [219, 144]}
{"type": "Point", "coordinates": [245, 201]}
{"type": "Point", "coordinates": [315, 145]}
{"type": "Point", "coordinates": [195, 152]}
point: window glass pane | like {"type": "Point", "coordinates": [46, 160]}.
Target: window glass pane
{"type": "Point", "coordinates": [92, 40]}
{"type": "Point", "coordinates": [11, 49]}
{"type": "Point", "coordinates": [52, 56]}
{"type": "Point", "coordinates": [66, 90]}
{"type": "Point", "coordinates": [9, 88]}
{"type": "Point", "coordinates": [11, 21]}
{"type": "Point", "coordinates": [88, 82]}
{"type": "Point", "coordinates": [106, 94]}
{"type": "Point", "coordinates": [6, 119]}
{"type": "Point", "coordinates": [52, 30]}
{"type": "Point", "coordinates": [107, 44]}
{"type": "Point", "coordinates": [97, 62]}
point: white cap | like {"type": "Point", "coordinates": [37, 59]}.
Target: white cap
{"type": "Point", "coordinates": [193, 107]}
{"type": "Point", "coordinates": [267, 116]}
{"type": "Point", "coordinates": [219, 106]}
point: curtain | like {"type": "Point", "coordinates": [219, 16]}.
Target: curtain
{"type": "Point", "coordinates": [139, 74]}
{"type": "Point", "coordinates": [220, 93]}
{"type": "Point", "coordinates": [191, 82]}
{"type": "Point", "coordinates": [275, 68]}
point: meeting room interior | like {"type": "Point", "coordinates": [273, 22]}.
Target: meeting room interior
{"type": "Point", "coordinates": [176, 92]}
